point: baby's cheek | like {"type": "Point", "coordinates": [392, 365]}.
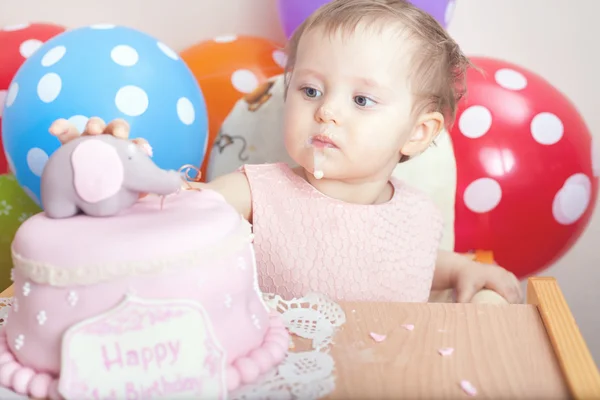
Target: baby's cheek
{"type": "Point", "coordinates": [296, 132]}
{"type": "Point", "coordinates": [291, 142]}
{"type": "Point", "coordinates": [377, 147]}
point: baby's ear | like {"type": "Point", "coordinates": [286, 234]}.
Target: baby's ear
{"type": "Point", "coordinates": [427, 128]}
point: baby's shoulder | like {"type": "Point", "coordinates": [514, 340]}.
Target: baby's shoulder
{"type": "Point", "coordinates": [418, 203]}
{"type": "Point", "coordinates": [277, 167]}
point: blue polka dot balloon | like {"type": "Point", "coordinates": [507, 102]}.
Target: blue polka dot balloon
{"type": "Point", "coordinates": [110, 72]}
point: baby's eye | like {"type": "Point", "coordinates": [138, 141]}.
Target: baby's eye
{"type": "Point", "coordinates": [363, 101]}
{"type": "Point", "coordinates": [311, 92]}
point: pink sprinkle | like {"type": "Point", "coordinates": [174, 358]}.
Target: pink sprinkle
{"type": "Point", "coordinates": [468, 388]}
{"type": "Point", "coordinates": [408, 327]}
{"type": "Point", "coordinates": [446, 351]}
{"type": "Point", "coordinates": [377, 337]}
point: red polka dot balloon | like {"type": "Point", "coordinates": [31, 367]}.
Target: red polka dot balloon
{"type": "Point", "coordinates": [527, 172]}
{"type": "Point", "coordinates": [17, 43]}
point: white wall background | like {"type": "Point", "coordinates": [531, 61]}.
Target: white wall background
{"type": "Point", "coordinates": [555, 38]}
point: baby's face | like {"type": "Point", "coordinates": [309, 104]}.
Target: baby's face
{"type": "Point", "coordinates": [349, 101]}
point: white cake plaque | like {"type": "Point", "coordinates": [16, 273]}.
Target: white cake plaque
{"type": "Point", "coordinates": [144, 349]}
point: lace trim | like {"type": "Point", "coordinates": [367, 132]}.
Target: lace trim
{"type": "Point", "coordinates": [54, 275]}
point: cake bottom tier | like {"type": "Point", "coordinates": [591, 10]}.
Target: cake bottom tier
{"type": "Point", "coordinates": [249, 338]}
{"type": "Point", "coordinates": [39, 385]}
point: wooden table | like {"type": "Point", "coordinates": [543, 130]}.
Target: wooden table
{"type": "Point", "coordinates": [8, 292]}
{"type": "Point", "coordinates": [532, 350]}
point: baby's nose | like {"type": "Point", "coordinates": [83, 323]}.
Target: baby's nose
{"type": "Point", "coordinates": [325, 114]}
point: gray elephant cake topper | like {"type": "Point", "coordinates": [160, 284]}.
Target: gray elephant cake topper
{"type": "Point", "coordinates": [100, 175]}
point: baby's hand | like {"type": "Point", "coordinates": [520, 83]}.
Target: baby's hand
{"type": "Point", "coordinates": [65, 131]}
{"type": "Point", "coordinates": [473, 277]}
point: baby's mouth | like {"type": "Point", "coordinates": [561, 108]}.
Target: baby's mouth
{"type": "Point", "coordinates": [322, 142]}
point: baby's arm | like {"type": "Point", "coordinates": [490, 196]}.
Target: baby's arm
{"type": "Point", "coordinates": [446, 266]}
{"type": "Point", "coordinates": [459, 272]}
{"type": "Point", "coordinates": [236, 190]}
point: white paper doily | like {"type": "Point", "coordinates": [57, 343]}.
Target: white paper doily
{"type": "Point", "coordinates": [304, 375]}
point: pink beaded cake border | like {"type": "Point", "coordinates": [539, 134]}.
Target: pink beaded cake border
{"type": "Point", "coordinates": [245, 370]}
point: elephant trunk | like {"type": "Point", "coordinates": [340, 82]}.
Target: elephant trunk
{"type": "Point", "coordinates": [158, 182]}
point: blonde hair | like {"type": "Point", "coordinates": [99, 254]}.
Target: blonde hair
{"type": "Point", "coordinates": [438, 68]}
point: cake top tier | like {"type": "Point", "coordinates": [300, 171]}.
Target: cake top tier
{"type": "Point", "coordinates": [145, 238]}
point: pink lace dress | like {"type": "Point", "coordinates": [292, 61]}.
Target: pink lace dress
{"type": "Point", "coordinates": [308, 242]}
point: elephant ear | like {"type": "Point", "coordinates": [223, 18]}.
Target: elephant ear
{"type": "Point", "coordinates": [98, 171]}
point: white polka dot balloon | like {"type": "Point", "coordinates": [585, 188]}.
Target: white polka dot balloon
{"type": "Point", "coordinates": [110, 72]}
{"type": "Point", "coordinates": [527, 169]}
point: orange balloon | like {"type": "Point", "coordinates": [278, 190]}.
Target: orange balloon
{"type": "Point", "coordinates": [226, 69]}
{"type": "Point", "coordinates": [482, 256]}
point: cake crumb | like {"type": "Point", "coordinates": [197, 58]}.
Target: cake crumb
{"type": "Point", "coordinates": [377, 337]}
{"type": "Point", "coordinates": [408, 327]}
{"type": "Point", "coordinates": [446, 351]}
{"type": "Point", "coordinates": [468, 387]}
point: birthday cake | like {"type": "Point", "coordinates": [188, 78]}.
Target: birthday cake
{"type": "Point", "coordinates": [155, 298]}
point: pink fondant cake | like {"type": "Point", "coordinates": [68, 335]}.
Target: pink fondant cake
{"type": "Point", "coordinates": [154, 302]}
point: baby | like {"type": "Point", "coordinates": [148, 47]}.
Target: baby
{"type": "Point", "coordinates": [369, 83]}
